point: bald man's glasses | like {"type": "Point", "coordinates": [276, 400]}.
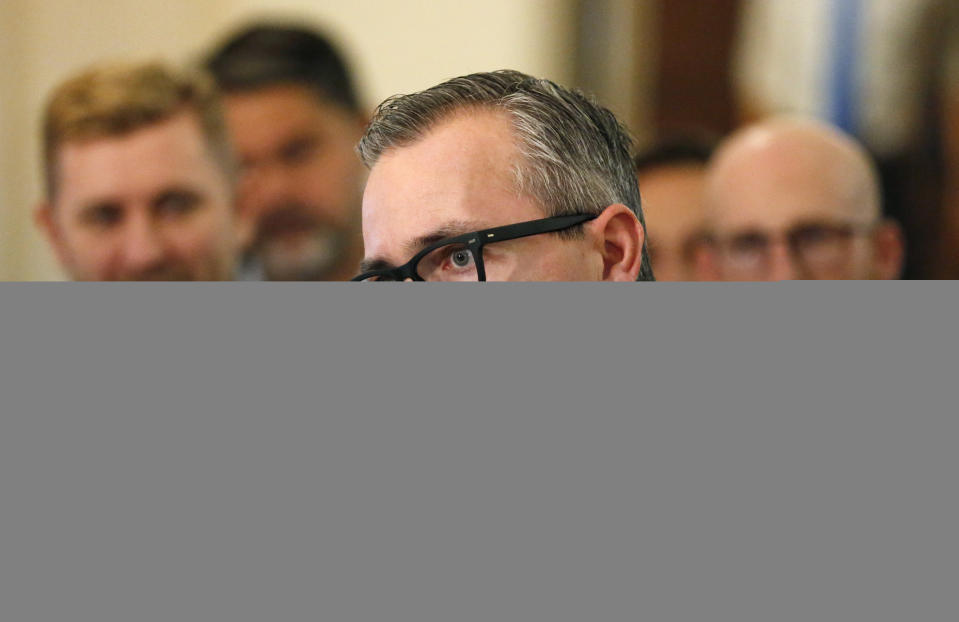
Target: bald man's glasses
{"type": "Point", "coordinates": [820, 249]}
{"type": "Point", "coordinates": [460, 258]}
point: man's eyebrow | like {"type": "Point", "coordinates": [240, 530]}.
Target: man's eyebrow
{"type": "Point", "coordinates": [99, 203]}
{"type": "Point", "coordinates": [447, 230]}
{"type": "Point", "coordinates": [175, 191]}
{"type": "Point", "coordinates": [371, 265]}
{"type": "Point", "coordinates": [91, 208]}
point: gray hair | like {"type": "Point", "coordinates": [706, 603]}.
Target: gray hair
{"type": "Point", "coordinates": [577, 158]}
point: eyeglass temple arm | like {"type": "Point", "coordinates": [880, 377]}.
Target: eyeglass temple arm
{"type": "Point", "coordinates": [534, 227]}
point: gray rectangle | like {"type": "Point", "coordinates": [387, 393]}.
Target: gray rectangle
{"type": "Point", "coordinates": [562, 452]}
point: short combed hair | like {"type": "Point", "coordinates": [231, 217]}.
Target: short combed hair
{"type": "Point", "coordinates": [265, 55]}
{"type": "Point", "coordinates": [119, 99]}
{"type": "Point", "coordinates": [576, 156]}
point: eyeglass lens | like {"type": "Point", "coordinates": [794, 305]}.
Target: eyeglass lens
{"type": "Point", "coordinates": [453, 262]}
{"type": "Point", "coordinates": [820, 248]}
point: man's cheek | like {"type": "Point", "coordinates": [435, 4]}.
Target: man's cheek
{"type": "Point", "coordinates": [96, 264]}
{"type": "Point", "coordinates": [86, 252]}
{"type": "Point", "coordinates": [331, 201]}
{"type": "Point", "coordinates": [193, 242]}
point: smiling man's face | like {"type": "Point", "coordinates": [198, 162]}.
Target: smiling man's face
{"type": "Point", "coordinates": [150, 205]}
{"type": "Point", "coordinates": [459, 178]}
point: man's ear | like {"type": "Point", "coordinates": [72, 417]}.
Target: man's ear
{"type": "Point", "coordinates": [620, 238]}
{"type": "Point", "coordinates": [45, 220]}
{"type": "Point", "coordinates": [889, 249]}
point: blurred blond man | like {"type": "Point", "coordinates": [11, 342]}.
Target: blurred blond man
{"type": "Point", "coordinates": [139, 176]}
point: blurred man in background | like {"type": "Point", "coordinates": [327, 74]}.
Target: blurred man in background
{"type": "Point", "coordinates": [500, 177]}
{"type": "Point", "coordinates": [139, 177]}
{"type": "Point", "coordinates": [295, 118]}
{"type": "Point", "coordinates": [671, 175]}
{"type": "Point", "coordinates": [884, 71]}
{"type": "Point", "coordinates": [796, 199]}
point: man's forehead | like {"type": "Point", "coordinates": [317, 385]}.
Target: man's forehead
{"type": "Point", "coordinates": [285, 93]}
{"type": "Point", "coordinates": [460, 172]}
{"type": "Point", "coordinates": [778, 210]}
{"type": "Point", "coordinates": [477, 138]}
{"type": "Point", "coordinates": [777, 197]}
{"type": "Point", "coordinates": [791, 171]}
{"type": "Point", "coordinates": [167, 152]}
{"type": "Point", "coordinates": [264, 110]}
{"type": "Point", "coordinates": [462, 163]}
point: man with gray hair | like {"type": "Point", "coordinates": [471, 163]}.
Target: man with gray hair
{"type": "Point", "coordinates": [500, 177]}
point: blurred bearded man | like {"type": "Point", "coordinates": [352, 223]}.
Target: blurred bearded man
{"type": "Point", "coordinates": [294, 117]}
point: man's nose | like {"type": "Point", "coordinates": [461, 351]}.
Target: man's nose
{"type": "Point", "coordinates": [264, 188]}
{"type": "Point", "coordinates": [782, 262]}
{"type": "Point", "coordinates": [143, 246]}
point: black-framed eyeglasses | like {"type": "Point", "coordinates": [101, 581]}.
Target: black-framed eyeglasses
{"type": "Point", "coordinates": [460, 258]}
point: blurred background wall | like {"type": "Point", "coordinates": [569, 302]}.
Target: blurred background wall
{"type": "Point", "coordinates": [663, 66]}
{"type": "Point", "coordinates": [394, 46]}
{"type": "Point", "coordinates": [617, 57]}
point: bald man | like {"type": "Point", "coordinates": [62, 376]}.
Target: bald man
{"type": "Point", "coordinates": [792, 198]}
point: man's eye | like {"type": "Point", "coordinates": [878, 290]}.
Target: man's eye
{"type": "Point", "coordinates": [102, 216]}
{"type": "Point", "coordinates": [449, 262]}
{"type": "Point", "coordinates": [815, 235]}
{"type": "Point", "coordinates": [461, 258]}
{"type": "Point", "coordinates": [177, 204]}
{"type": "Point", "coordinates": [298, 151]}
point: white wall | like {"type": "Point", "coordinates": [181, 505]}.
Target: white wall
{"type": "Point", "coordinates": [394, 45]}
{"type": "Point", "coordinates": [7, 181]}
{"type": "Point", "coordinates": [50, 40]}
{"type": "Point", "coordinates": [410, 45]}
